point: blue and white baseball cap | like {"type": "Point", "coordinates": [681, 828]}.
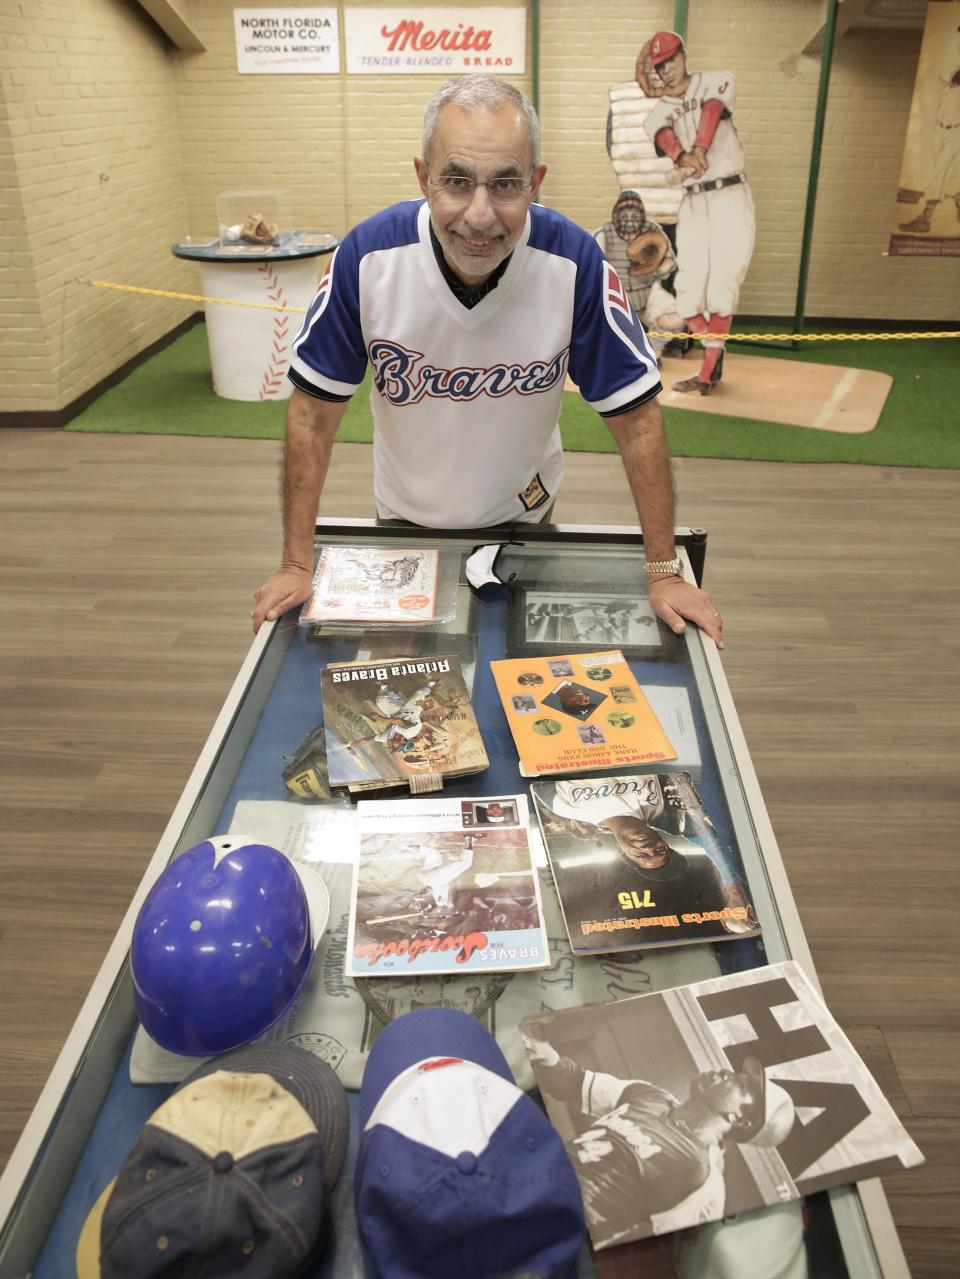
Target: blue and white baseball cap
{"type": "Point", "coordinates": [459, 1172]}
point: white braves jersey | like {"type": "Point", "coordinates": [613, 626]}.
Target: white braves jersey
{"type": "Point", "coordinates": [466, 400]}
{"type": "Point", "coordinates": [682, 115]}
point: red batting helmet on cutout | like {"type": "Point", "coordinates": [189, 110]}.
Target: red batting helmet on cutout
{"type": "Point", "coordinates": [663, 46]}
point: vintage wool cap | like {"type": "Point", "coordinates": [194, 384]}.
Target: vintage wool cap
{"type": "Point", "coordinates": [459, 1172]}
{"type": "Point", "coordinates": [229, 1177]}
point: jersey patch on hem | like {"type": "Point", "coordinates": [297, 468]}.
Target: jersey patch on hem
{"type": "Point", "coordinates": [534, 494]}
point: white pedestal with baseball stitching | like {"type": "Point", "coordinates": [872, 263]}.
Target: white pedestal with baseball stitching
{"type": "Point", "coordinates": [250, 347]}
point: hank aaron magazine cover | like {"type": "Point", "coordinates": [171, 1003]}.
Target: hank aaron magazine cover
{"type": "Point", "coordinates": [445, 886]}
{"type": "Point", "coordinates": [373, 584]}
{"type": "Point", "coordinates": [637, 862]}
{"type": "Point", "coordinates": [399, 720]}
{"type": "Point", "coordinates": [694, 1104]}
{"type": "Point", "coordinates": [577, 713]}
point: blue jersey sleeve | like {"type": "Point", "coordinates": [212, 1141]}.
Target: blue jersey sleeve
{"type": "Point", "coordinates": [610, 358]}
{"type": "Point", "coordinates": [329, 357]}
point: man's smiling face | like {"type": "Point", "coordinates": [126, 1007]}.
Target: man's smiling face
{"type": "Point", "coordinates": [472, 148]}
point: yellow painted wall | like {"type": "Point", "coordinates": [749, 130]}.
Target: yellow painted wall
{"type": "Point", "coordinates": [114, 144]}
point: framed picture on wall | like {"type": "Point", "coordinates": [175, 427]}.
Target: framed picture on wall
{"type": "Point", "coordinates": [545, 621]}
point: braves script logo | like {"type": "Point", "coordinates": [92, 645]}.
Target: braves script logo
{"type": "Point", "coordinates": [402, 379]}
{"type": "Point", "coordinates": [646, 790]}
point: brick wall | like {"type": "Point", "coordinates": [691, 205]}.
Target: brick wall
{"type": "Point", "coordinates": [288, 131]}
{"type": "Point", "coordinates": [93, 140]}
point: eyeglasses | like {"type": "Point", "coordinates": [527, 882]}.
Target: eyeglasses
{"type": "Point", "coordinates": [459, 189]}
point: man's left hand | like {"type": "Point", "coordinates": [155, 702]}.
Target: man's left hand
{"type": "Point", "coordinates": [674, 600]}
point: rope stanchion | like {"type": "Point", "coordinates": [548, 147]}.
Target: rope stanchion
{"type": "Point", "coordinates": [192, 297]}
{"type": "Point", "coordinates": [656, 333]}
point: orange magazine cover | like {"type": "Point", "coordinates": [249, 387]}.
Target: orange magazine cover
{"type": "Point", "coordinates": [577, 713]}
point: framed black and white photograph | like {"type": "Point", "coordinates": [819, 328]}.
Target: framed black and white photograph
{"type": "Point", "coordinates": [550, 621]}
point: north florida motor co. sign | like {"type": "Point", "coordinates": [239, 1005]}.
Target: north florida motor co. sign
{"type": "Point", "coordinates": [435, 41]}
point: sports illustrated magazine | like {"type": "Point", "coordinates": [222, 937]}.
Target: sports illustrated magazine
{"type": "Point", "coordinates": [637, 862]}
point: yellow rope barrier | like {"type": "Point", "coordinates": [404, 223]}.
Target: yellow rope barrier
{"type": "Point", "coordinates": [657, 333]}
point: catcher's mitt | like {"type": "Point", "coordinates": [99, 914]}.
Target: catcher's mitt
{"type": "Point", "coordinates": [305, 773]}
{"type": "Point", "coordinates": [257, 230]}
{"type": "Point", "coordinates": [646, 251]}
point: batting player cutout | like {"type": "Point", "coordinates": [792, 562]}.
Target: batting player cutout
{"type": "Point", "coordinates": [693, 124]}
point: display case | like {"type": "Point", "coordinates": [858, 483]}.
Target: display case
{"type": "Point", "coordinates": [90, 1112]}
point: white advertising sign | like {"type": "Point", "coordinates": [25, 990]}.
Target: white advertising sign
{"type": "Point", "coordinates": [287, 41]}
{"type": "Point", "coordinates": [436, 41]}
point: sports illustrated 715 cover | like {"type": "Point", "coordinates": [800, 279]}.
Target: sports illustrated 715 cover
{"type": "Point", "coordinates": [445, 886]}
{"type": "Point", "coordinates": [694, 1104]}
{"type": "Point", "coordinates": [373, 584]}
{"type": "Point", "coordinates": [575, 712]}
{"type": "Point", "coordinates": [399, 720]}
{"type": "Point", "coordinates": [637, 862]}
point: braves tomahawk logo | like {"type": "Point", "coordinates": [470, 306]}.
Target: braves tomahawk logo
{"type": "Point", "coordinates": [402, 378]}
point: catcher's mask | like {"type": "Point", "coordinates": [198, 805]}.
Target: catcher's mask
{"type": "Point", "coordinates": [629, 215]}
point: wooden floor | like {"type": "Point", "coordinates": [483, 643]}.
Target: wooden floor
{"type": "Point", "coordinates": [127, 566]}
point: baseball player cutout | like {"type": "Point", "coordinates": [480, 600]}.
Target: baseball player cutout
{"type": "Point", "coordinates": [471, 305]}
{"type": "Point", "coordinates": [692, 124]}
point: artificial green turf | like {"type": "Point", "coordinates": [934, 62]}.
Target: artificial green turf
{"type": "Point", "coordinates": [920, 424]}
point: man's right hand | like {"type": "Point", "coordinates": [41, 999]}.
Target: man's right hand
{"type": "Point", "coordinates": [285, 590]}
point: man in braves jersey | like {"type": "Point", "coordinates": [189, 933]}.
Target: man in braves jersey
{"type": "Point", "coordinates": [471, 305]}
{"type": "Point", "coordinates": [641, 1151]}
{"type": "Point", "coordinates": [692, 124]}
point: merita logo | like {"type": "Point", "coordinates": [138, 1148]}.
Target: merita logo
{"type": "Point", "coordinates": [410, 34]}
{"type": "Point", "coordinates": [401, 378]}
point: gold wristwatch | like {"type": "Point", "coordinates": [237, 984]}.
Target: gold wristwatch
{"type": "Point", "coordinates": [668, 568]}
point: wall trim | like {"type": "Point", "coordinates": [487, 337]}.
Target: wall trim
{"type": "Point", "coordinates": [53, 418]}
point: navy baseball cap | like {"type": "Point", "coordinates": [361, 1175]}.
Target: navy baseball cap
{"type": "Point", "coordinates": [229, 1177]}
{"type": "Point", "coordinates": [459, 1172]}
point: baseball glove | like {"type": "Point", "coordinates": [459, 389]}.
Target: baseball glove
{"type": "Point", "coordinates": [646, 251]}
{"type": "Point", "coordinates": [257, 230]}
{"type": "Point", "coordinates": [305, 773]}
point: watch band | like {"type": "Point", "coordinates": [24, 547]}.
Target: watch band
{"type": "Point", "coordinates": [672, 567]}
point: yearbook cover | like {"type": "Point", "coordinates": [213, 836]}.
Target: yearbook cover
{"type": "Point", "coordinates": [578, 712]}
{"type": "Point", "coordinates": [399, 720]}
{"type": "Point", "coordinates": [637, 863]}
{"type": "Point", "coordinates": [445, 886]}
{"type": "Point", "coordinates": [694, 1104]}
{"type": "Point", "coordinates": [373, 584]}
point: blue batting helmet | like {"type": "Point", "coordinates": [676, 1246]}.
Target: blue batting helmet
{"type": "Point", "coordinates": [223, 944]}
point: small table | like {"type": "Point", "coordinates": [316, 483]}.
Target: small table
{"type": "Point", "coordinates": [250, 346]}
